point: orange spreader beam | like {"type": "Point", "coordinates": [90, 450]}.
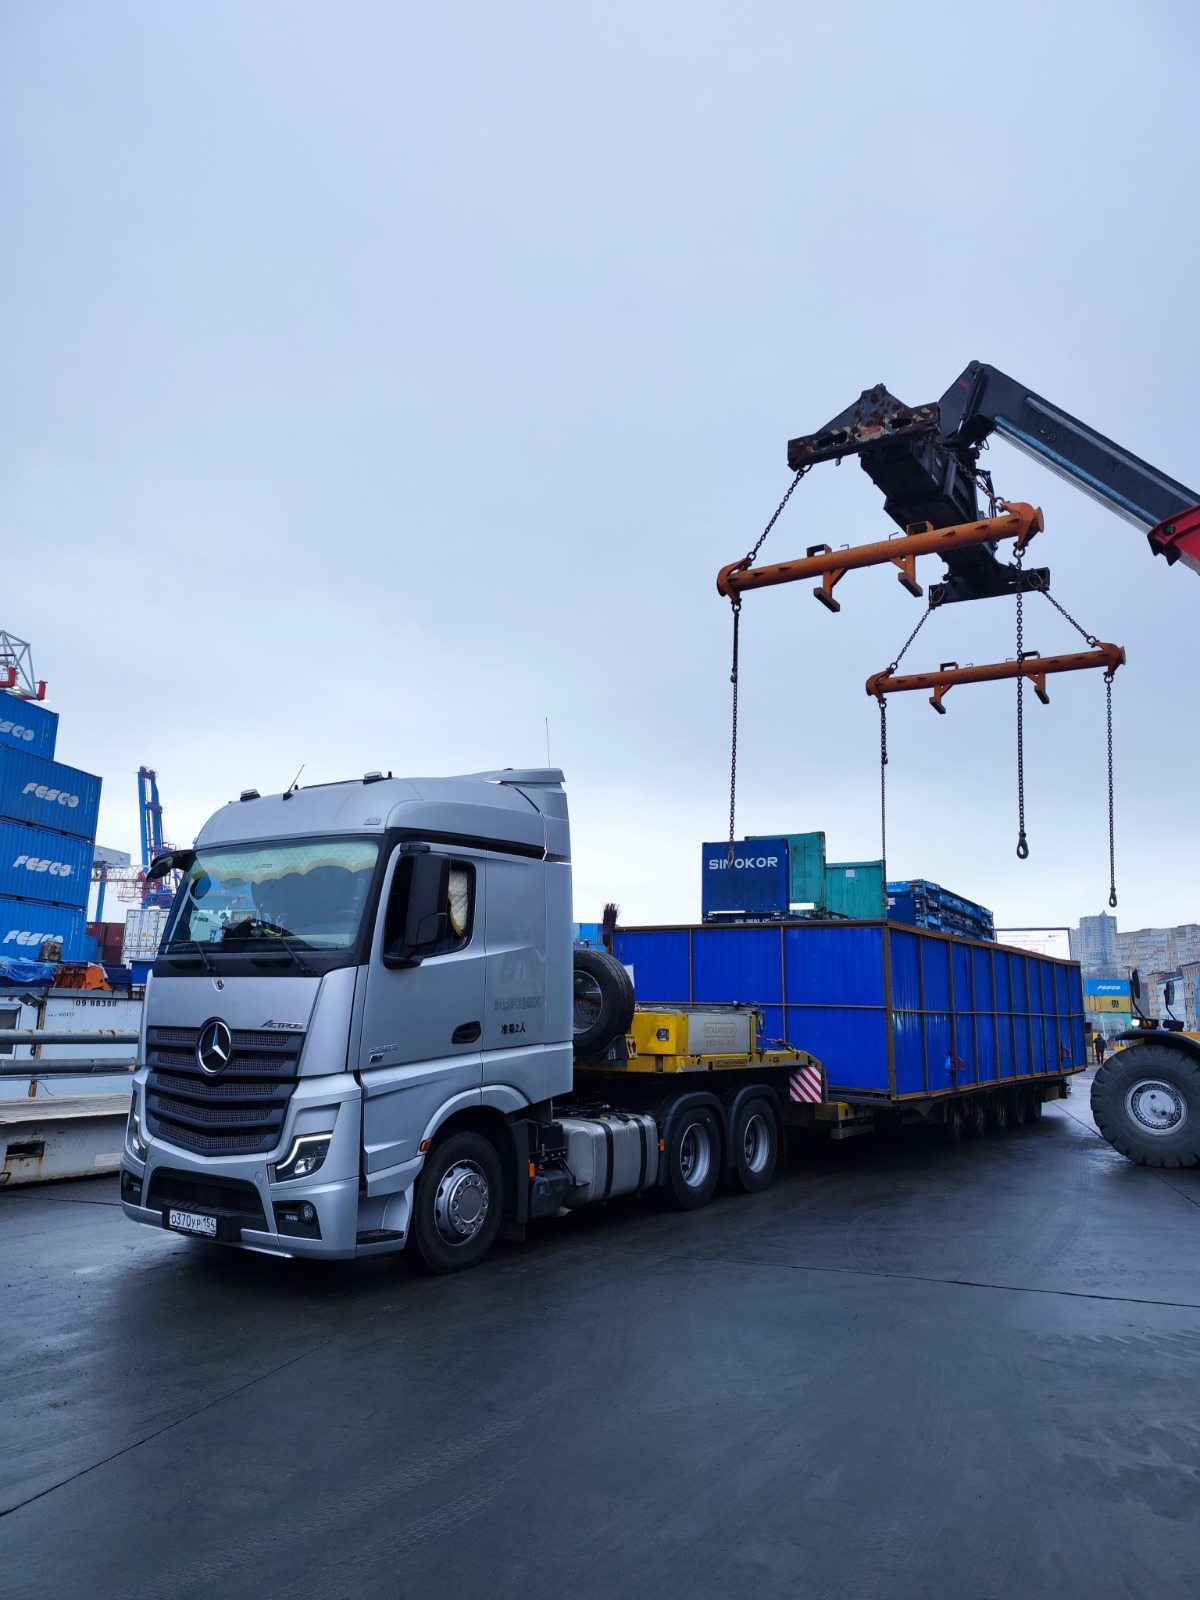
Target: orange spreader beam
{"type": "Point", "coordinates": [1018, 521]}
{"type": "Point", "coordinates": [1031, 665]}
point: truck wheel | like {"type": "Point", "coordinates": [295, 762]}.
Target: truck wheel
{"type": "Point", "coordinates": [1035, 1102]}
{"type": "Point", "coordinates": [1018, 1108]}
{"type": "Point", "coordinates": [1146, 1102]}
{"type": "Point", "coordinates": [954, 1120]}
{"type": "Point", "coordinates": [693, 1158]}
{"type": "Point", "coordinates": [998, 1111]}
{"type": "Point", "coordinates": [456, 1210]}
{"type": "Point", "coordinates": [977, 1117]}
{"type": "Point", "coordinates": [602, 1009]}
{"type": "Point", "coordinates": [754, 1146]}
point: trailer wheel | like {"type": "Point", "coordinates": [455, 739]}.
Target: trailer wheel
{"type": "Point", "coordinates": [998, 1111]}
{"type": "Point", "coordinates": [693, 1158]}
{"type": "Point", "coordinates": [1035, 1102]}
{"type": "Point", "coordinates": [457, 1206]}
{"type": "Point", "coordinates": [1146, 1102]}
{"type": "Point", "coordinates": [754, 1145]}
{"type": "Point", "coordinates": [977, 1117]}
{"type": "Point", "coordinates": [1018, 1108]}
{"type": "Point", "coordinates": [954, 1121]}
{"type": "Point", "coordinates": [602, 1006]}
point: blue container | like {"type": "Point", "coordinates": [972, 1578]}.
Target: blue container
{"type": "Point", "coordinates": [139, 971]}
{"type": "Point", "coordinates": [755, 885]}
{"type": "Point", "coordinates": [47, 794]}
{"type": "Point", "coordinates": [37, 865]}
{"type": "Point", "coordinates": [28, 726]}
{"type": "Point", "coordinates": [25, 923]}
{"type": "Point", "coordinates": [894, 1014]}
{"type": "Point", "coordinates": [587, 935]}
{"type": "Point", "coordinates": [922, 904]}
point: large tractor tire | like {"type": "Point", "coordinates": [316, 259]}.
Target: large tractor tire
{"type": "Point", "coordinates": [1146, 1102]}
{"type": "Point", "coordinates": [603, 1001]}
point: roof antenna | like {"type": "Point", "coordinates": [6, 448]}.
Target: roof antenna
{"type": "Point", "coordinates": [295, 783]}
{"type": "Point", "coordinates": [547, 741]}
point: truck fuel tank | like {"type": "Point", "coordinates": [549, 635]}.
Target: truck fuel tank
{"type": "Point", "coordinates": [615, 1153]}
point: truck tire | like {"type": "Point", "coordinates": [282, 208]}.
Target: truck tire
{"type": "Point", "coordinates": [754, 1145]}
{"type": "Point", "coordinates": [1018, 1109]}
{"type": "Point", "coordinates": [458, 1202]}
{"type": "Point", "coordinates": [977, 1117]}
{"type": "Point", "coordinates": [1146, 1102]}
{"type": "Point", "coordinates": [954, 1120]}
{"type": "Point", "coordinates": [998, 1111]}
{"type": "Point", "coordinates": [602, 1007]}
{"type": "Point", "coordinates": [1035, 1102]}
{"type": "Point", "coordinates": [693, 1158]}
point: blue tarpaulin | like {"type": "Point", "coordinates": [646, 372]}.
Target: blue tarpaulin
{"type": "Point", "coordinates": [13, 969]}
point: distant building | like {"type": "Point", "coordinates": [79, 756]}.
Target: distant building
{"type": "Point", "coordinates": [1160, 950]}
{"type": "Point", "coordinates": [1094, 946]}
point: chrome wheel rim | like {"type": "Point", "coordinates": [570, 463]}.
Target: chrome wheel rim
{"type": "Point", "coordinates": [460, 1206]}
{"type": "Point", "coordinates": [588, 1002]}
{"type": "Point", "coordinates": [1156, 1107]}
{"type": "Point", "coordinates": [756, 1143]}
{"type": "Point", "coordinates": [695, 1155]}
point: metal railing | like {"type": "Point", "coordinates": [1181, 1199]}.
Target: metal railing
{"type": "Point", "coordinates": [83, 1066]}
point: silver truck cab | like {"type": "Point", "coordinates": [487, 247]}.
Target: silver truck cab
{"type": "Point", "coordinates": [347, 969]}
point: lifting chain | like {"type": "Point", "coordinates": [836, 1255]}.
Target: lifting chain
{"type": "Point", "coordinates": [1112, 848]}
{"type": "Point", "coordinates": [736, 603]}
{"type": "Point", "coordinates": [883, 744]}
{"type": "Point", "coordinates": [1022, 842]}
{"type": "Point", "coordinates": [1108, 683]}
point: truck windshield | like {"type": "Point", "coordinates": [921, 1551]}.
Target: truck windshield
{"type": "Point", "coordinates": [309, 894]}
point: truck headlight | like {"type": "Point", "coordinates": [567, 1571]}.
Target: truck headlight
{"type": "Point", "coordinates": [134, 1142]}
{"type": "Point", "coordinates": [303, 1159]}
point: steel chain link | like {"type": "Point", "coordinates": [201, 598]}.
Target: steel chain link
{"type": "Point", "coordinates": [1112, 847]}
{"type": "Point", "coordinates": [733, 676]}
{"type": "Point", "coordinates": [1022, 842]}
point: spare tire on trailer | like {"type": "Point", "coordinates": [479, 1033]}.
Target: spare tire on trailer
{"type": "Point", "coordinates": [1146, 1102]}
{"type": "Point", "coordinates": [602, 1007]}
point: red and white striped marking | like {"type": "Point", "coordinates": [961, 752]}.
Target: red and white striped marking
{"type": "Point", "coordinates": [805, 1084]}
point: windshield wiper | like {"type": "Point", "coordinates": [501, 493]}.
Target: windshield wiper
{"type": "Point", "coordinates": [252, 930]}
{"type": "Point", "coordinates": [285, 938]}
{"type": "Point", "coordinates": [200, 951]}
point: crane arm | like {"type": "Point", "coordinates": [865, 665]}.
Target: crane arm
{"type": "Point", "coordinates": [926, 461]}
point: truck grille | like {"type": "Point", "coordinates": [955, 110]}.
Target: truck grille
{"type": "Point", "coordinates": [241, 1112]}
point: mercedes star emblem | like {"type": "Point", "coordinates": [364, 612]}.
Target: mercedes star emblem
{"type": "Point", "coordinates": [214, 1046]}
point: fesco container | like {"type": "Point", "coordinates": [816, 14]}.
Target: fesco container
{"type": "Point", "coordinates": [47, 794]}
{"type": "Point", "coordinates": [892, 1013]}
{"type": "Point", "coordinates": [855, 889]}
{"type": "Point", "coordinates": [755, 883]}
{"type": "Point", "coordinates": [25, 923]}
{"type": "Point", "coordinates": [38, 865]}
{"type": "Point", "coordinates": [27, 726]}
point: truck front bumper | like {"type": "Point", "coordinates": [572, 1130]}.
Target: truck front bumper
{"type": "Point", "coordinates": [317, 1221]}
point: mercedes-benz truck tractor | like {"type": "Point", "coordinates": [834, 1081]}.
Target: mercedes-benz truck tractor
{"type": "Point", "coordinates": [367, 1027]}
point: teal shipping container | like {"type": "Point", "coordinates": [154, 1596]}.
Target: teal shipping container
{"type": "Point", "coordinates": [856, 889]}
{"type": "Point", "coordinates": [806, 867]}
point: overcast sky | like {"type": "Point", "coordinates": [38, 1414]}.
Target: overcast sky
{"type": "Point", "coordinates": [385, 379]}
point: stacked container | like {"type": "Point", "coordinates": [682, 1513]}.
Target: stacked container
{"type": "Point", "coordinates": [47, 835]}
{"type": "Point", "coordinates": [922, 904]}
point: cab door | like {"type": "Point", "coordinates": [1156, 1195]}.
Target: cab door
{"type": "Point", "coordinates": [422, 1019]}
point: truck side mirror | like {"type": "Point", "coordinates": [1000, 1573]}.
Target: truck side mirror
{"type": "Point", "coordinates": [1169, 993]}
{"type": "Point", "coordinates": [427, 919]}
{"type": "Point", "coordinates": [1135, 984]}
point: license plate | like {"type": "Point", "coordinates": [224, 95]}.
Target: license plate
{"type": "Point", "coordinates": [192, 1222]}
